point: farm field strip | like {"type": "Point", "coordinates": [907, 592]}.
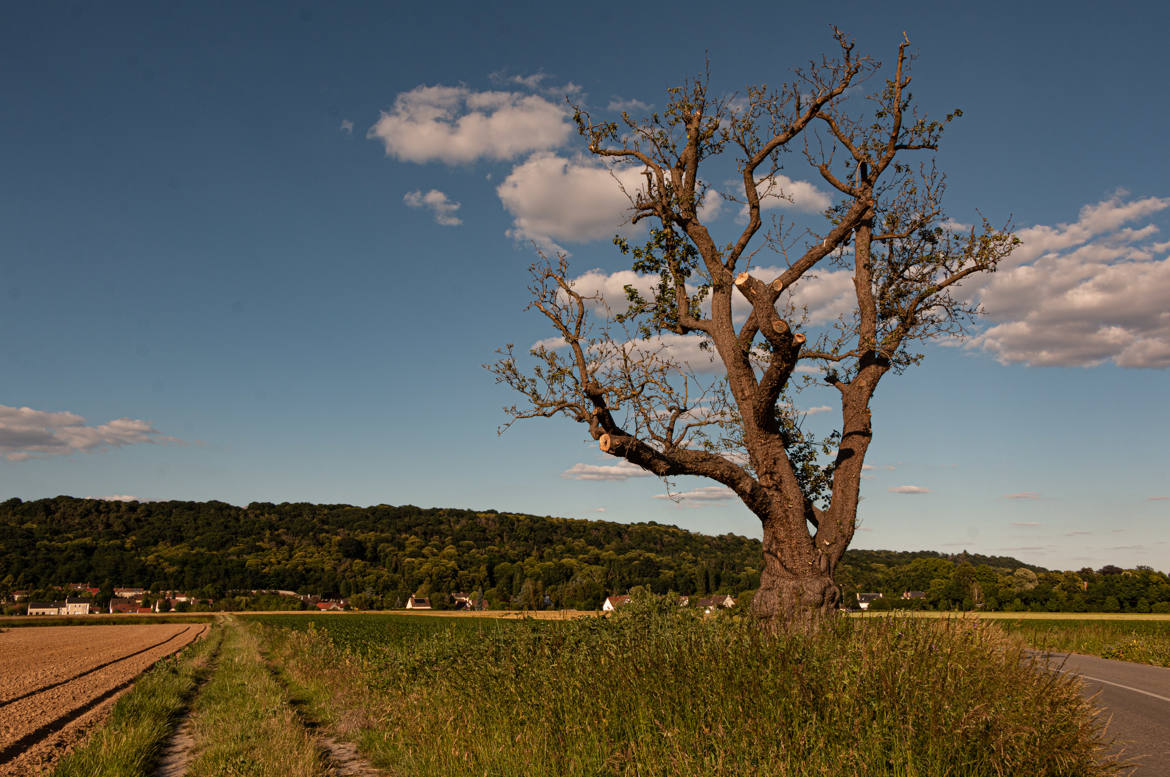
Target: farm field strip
{"type": "Point", "coordinates": [35, 656]}
{"type": "Point", "coordinates": [90, 670]}
{"type": "Point", "coordinates": [39, 721]}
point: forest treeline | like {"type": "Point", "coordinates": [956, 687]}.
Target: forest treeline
{"type": "Point", "coordinates": [378, 556]}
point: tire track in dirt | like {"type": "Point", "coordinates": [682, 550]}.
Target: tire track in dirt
{"type": "Point", "coordinates": [343, 758]}
{"type": "Point", "coordinates": [37, 729]}
{"type": "Point", "coordinates": [179, 750]}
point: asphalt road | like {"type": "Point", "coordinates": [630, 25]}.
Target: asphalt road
{"type": "Point", "coordinates": [1136, 699]}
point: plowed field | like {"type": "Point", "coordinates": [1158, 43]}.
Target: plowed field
{"type": "Point", "coordinates": [57, 681]}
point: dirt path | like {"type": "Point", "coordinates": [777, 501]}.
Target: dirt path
{"type": "Point", "coordinates": [66, 679]}
{"type": "Point", "coordinates": [342, 757]}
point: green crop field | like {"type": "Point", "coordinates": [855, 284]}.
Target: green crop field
{"type": "Point", "coordinates": [1141, 641]}
{"type": "Point", "coordinates": [363, 632]}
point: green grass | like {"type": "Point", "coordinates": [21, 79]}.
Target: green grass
{"type": "Point", "coordinates": [656, 692]}
{"type": "Point", "coordinates": [243, 724]}
{"type": "Point", "coordinates": [142, 720]}
{"type": "Point", "coordinates": [1141, 641]}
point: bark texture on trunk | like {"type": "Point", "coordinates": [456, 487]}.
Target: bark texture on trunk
{"type": "Point", "coordinates": [797, 591]}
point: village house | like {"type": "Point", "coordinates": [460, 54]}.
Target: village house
{"type": "Point", "coordinates": [717, 602]}
{"type": "Point", "coordinates": [77, 606]}
{"type": "Point", "coordinates": [128, 607]}
{"type": "Point", "coordinates": [613, 602]}
{"type": "Point", "coordinates": [46, 608]}
{"type": "Point", "coordinates": [129, 593]}
{"type": "Point", "coordinates": [465, 602]}
{"type": "Point", "coordinates": [418, 603]}
{"type": "Point", "coordinates": [330, 606]}
{"type": "Point", "coordinates": [864, 600]}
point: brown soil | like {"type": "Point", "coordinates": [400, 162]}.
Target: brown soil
{"type": "Point", "coordinates": [60, 681]}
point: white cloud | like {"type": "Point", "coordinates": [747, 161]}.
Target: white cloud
{"type": "Point", "coordinates": [632, 106]}
{"type": "Point", "coordinates": [26, 433]}
{"type": "Point", "coordinates": [621, 471]}
{"type": "Point", "coordinates": [551, 198]}
{"type": "Point", "coordinates": [818, 409]}
{"type": "Point", "coordinates": [780, 191]}
{"type": "Point", "coordinates": [682, 349]}
{"type": "Point", "coordinates": [825, 295]}
{"type": "Point", "coordinates": [456, 125]}
{"type": "Point", "coordinates": [685, 350]}
{"type": "Point", "coordinates": [909, 490]}
{"type": "Point", "coordinates": [700, 496]}
{"type": "Point", "coordinates": [608, 290]}
{"type": "Point", "coordinates": [121, 498]}
{"type": "Point", "coordinates": [1084, 293]}
{"type": "Point", "coordinates": [530, 81]}
{"type": "Point", "coordinates": [346, 126]}
{"type": "Point", "coordinates": [442, 208]}
{"type": "Point", "coordinates": [711, 206]}
{"type": "Point", "coordinates": [889, 467]}
{"type": "Point", "coordinates": [1159, 499]}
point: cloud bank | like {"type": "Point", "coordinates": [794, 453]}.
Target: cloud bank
{"type": "Point", "coordinates": [1085, 293]}
{"type": "Point", "coordinates": [26, 434]}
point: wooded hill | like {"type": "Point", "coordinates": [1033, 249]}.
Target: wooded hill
{"type": "Point", "coordinates": [377, 556]}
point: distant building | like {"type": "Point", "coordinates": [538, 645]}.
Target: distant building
{"type": "Point", "coordinates": [717, 602]}
{"type": "Point", "coordinates": [129, 593]}
{"type": "Point", "coordinates": [466, 601]}
{"type": "Point", "coordinates": [46, 608]}
{"type": "Point", "coordinates": [330, 606]}
{"type": "Point", "coordinates": [418, 603]}
{"type": "Point", "coordinates": [76, 606]}
{"type": "Point", "coordinates": [128, 607]}
{"type": "Point", "coordinates": [864, 600]}
{"type": "Point", "coordinates": [613, 602]}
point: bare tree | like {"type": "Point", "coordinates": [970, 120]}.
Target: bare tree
{"type": "Point", "coordinates": [622, 373]}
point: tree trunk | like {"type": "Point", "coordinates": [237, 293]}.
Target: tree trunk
{"type": "Point", "coordinates": [797, 591]}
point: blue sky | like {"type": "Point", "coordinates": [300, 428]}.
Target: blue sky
{"type": "Point", "coordinates": [261, 251]}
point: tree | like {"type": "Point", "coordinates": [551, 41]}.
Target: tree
{"type": "Point", "coordinates": [642, 402]}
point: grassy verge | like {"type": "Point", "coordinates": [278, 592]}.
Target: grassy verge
{"type": "Point", "coordinates": [1141, 641]}
{"type": "Point", "coordinates": [663, 693]}
{"type": "Point", "coordinates": [141, 721]}
{"type": "Point", "coordinates": [243, 724]}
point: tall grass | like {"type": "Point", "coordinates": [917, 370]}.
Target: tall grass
{"type": "Point", "coordinates": [1145, 642]}
{"type": "Point", "coordinates": [656, 692]}
{"type": "Point", "coordinates": [243, 725]}
{"type": "Point", "coordinates": [142, 720]}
